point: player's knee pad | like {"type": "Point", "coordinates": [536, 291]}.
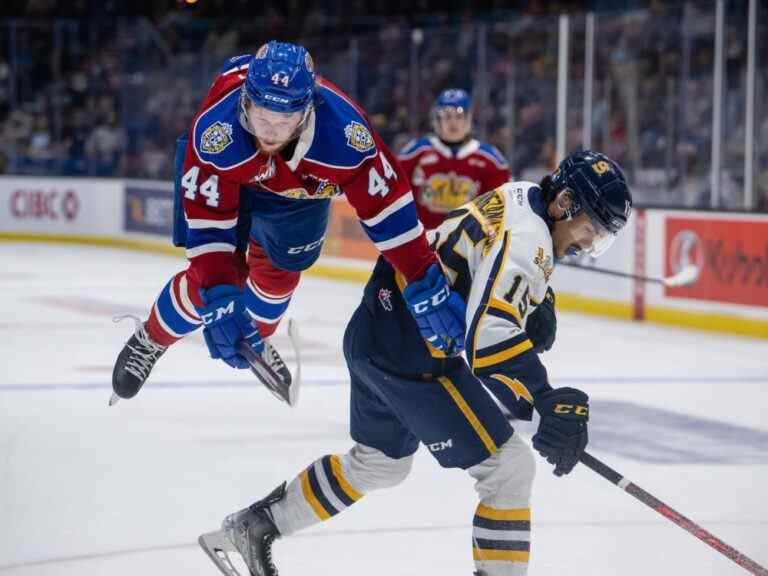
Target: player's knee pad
{"type": "Point", "coordinates": [504, 479]}
{"type": "Point", "coordinates": [370, 469]}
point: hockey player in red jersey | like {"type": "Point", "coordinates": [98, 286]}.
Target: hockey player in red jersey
{"type": "Point", "coordinates": [449, 167]}
{"type": "Point", "coordinates": [269, 148]}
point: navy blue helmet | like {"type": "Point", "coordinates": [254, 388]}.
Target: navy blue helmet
{"type": "Point", "coordinates": [598, 186]}
{"type": "Point", "coordinates": [281, 78]}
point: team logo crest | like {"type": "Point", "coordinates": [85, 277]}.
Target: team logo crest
{"type": "Point", "coordinates": [216, 138]}
{"type": "Point", "coordinates": [446, 192]}
{"type": "Point", "coordinates": [544, 262]}
{"type": "Point", "coordinates": [308, 62]}
{"type": "Point", "coordinates": [385, 298]}
{"type": "Point", "coordinates": [358, 137]}
{"type": "Point", "coordinates": [601, 167]}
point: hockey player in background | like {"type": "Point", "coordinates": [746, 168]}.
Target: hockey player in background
{"type": "Point", "coordinates": [269, 148]}
{"type": "Point", "coordinates": [449, 167]}
{"type": "Point", "coordinates": [499, 252]}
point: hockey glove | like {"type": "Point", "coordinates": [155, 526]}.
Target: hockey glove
{"type": "Point", "coordinates": [439, 312]}
{"type": "Point", "coordinates": [225, 323]}
{"type": "Point", "coordinates": [541, 325]}
{"type": "Point", "coordinates": [562, 433]}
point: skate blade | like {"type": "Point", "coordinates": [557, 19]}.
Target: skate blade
{"type": "Point", "coordinates": [217, 546]}
{"type": "Point", "coordinates": [287, 391]}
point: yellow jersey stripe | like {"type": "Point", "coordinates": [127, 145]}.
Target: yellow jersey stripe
{"type": "Point", "coordinates": [310, 497]}
{"type": "Point", "coordinates": [469, 414]}
{"type": "Point", "coordinates": [503, 355]}
{"type": "Point", "coordinates": [493, 289]}
{"type": "Point", "coordinates": [345, 485]}
{"type": "Point", "coordinates": [501, 514]}
{"type": "Point", "coordinates": [520, 390]}
{"type": "Point", "coordinates": [506, 307]}
{"type": "Point", "coordinates": [506, 555]}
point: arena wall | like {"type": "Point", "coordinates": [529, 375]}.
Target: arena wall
{"type": "Point", "coordinates": [729, 251]}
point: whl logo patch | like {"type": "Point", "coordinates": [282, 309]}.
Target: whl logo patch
{"type": "Point", "coordinates": [385, 298]}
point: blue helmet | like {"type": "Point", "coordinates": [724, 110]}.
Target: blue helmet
{"type": "Point", "coordinates": [598, 186]}
{"type": "Point", "coordinates": [453, 98]}
{"type": "Point", "coordinates": [281, 78]}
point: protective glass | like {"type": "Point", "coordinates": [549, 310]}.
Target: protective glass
{"type": "Point", "coordinates": [601, 238]}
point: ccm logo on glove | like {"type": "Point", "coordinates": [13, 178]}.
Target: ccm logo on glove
{"type": "Point", "coordinates": [435, 300]}
{"type": "Point", "coordinates": [577, 409]}
{"type": "Point", "coordinates": [220, 313]}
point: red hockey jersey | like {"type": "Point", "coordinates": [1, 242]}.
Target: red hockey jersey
{"type": "Point", "coordinates": [443, 179]}
{"type": "Point", "coordinates": [337, 152]}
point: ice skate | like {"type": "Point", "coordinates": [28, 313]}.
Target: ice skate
{"type": "Point", "coordinates": [135, 362]}
{"type": "Point", "coordinates": [271, 370]}
{"type": "Point", "coordinates": [249, 532]}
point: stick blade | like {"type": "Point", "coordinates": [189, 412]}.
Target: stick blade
{"type": "Point", "coordinates": [688, 275]}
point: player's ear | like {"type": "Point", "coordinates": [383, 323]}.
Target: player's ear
{"type": "Point", "coordinates": [561, 204]}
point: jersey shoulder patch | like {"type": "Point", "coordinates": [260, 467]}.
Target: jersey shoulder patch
{"type": "Point", "coordinates": [494, 153]}
{"type": "Point", "coordinates": [414, 147]}
{"type": "Point", "coordinates": [220, 140]}
{"type": "Point", "coordinates": [343, 138]}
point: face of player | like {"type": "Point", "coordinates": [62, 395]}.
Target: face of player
{"type": "Point", "coordinates": [453, 124]}
{"type": "Point", "coordinates": [578, 235]}
{"type": "Point", "coordinates": [273, 130]}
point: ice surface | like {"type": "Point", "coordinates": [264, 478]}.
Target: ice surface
{"type": "Point", "coordinates": [91, 490]}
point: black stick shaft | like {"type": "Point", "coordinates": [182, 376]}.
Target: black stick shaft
{"type": "Point", "coordinates": [670, 513]}
{"type": "Point", "coordinates": [612, 272]}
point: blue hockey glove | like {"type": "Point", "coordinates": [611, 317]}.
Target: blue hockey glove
{"type": "Point", "coordinates": [439, 312]}
{"type": "Point", "coordinates": [225, 323]}
{"type": "Point", "coordinates": [562, 434]}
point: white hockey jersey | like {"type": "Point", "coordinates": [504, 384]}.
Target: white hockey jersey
{"type": "Point", "coordinates": [497, 252]}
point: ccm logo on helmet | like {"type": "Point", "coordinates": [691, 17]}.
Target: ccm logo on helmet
{"type": "Point", "coordinates": [435, 300]}
{"type": "Point", "coordinates": [306, 247]}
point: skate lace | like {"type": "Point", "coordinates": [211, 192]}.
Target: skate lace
{"type": "Point", "coordinates": [145, 353]}
{"type": "Point", "coordinates": [272, 357]}
{"type": "Point", "coordinates": [268, 540]}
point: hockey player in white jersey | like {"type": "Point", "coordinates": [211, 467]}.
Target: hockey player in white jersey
{"type": "Point", "coordinates": [499, 252]}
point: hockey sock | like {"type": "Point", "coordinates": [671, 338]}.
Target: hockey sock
{"type": "Point", "coordinates": [319, 492]}
{"type": "Point", "coordinates": [173, 315]}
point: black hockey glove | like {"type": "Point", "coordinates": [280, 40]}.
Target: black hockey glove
{"type": "Point", "coordinates": [562, 433]}
{"type": "Point", "coordinates": [541, 325]}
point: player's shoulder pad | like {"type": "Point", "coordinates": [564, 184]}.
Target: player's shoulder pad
{"type": "Point", "coordinates": [220, 140]}
{"type": "Point", "coordinates": [414, 147]}
{"type": "Point", "coordinates": [531, 246]}
{"type": "Point", "coordinates": [343, 138]}
{"type": "Point", "coordinates": [493, 153]}
{"type": "Point", "coordinates": [235, 64]}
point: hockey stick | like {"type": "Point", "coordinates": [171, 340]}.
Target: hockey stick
{"type": "Point", "coordinates": [684, 277]}
{"type": "Point", "coordinates": [670, 513]}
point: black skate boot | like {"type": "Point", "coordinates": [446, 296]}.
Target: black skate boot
{"type": "Point", "coordinates": [135, 362]}
{"type": "Point", "coordinates": [250, 532]}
